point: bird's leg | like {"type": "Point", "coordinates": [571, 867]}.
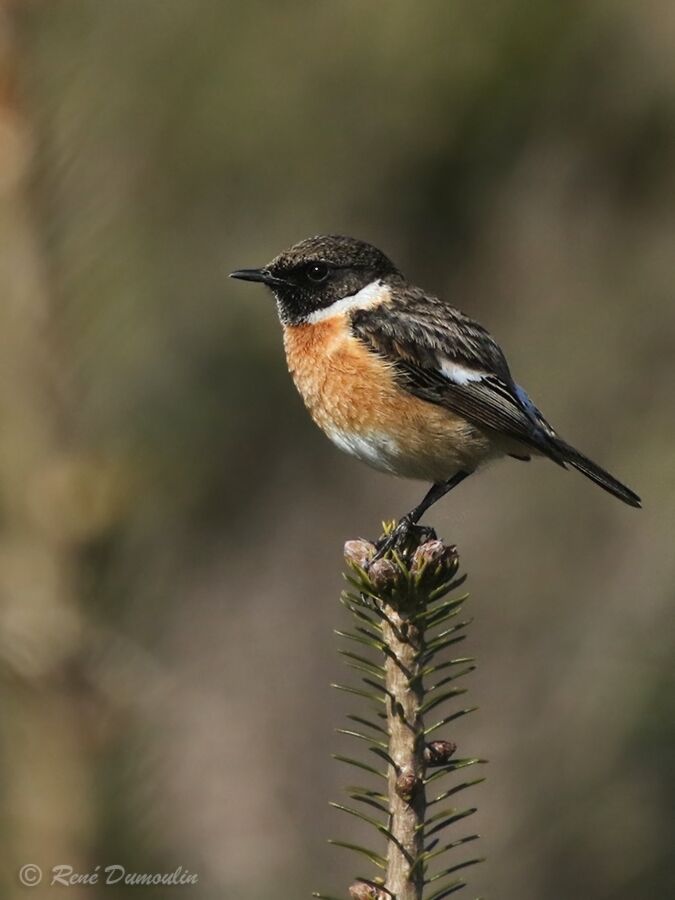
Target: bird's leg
{"type": "Point", "coordinates": [409, 520]}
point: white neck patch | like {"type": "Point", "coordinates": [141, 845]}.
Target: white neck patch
{"type": "Point", "coordinates": [371, 295]}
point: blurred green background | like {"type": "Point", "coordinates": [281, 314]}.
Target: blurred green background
{"type": "Point", "coordinates": [172, 522]}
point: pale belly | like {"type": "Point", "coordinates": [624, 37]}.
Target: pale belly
{"type": "Point", "coordinates": [351, 395]}
{"type": "Point", "coordinates": [427, 457]}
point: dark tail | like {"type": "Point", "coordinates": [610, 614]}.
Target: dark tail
{"type": "Point", "coordinates": [596, 474]}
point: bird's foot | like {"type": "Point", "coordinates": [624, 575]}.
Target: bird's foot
{"type": "Point", "coordinates": [405, 538]}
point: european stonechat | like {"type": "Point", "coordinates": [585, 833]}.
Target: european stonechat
{"type": "Point", "coordinates": [398, 377]}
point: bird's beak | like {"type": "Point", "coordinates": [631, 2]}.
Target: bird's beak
{"type": "Point", "coordinates": [257, 275]}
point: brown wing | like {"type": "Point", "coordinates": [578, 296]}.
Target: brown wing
{"type": "Point", "coordinates": [443, 356]}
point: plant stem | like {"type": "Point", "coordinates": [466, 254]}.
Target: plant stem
{"type": "Point", "coordinates": [406, 748]}
{"type": "Point", "coordinates": [403, 619]}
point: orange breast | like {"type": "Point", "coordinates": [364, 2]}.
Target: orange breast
{"type": "Point", "coordinates": [351, 394]}
{"type": "Point", "coordinates": [342, 383]}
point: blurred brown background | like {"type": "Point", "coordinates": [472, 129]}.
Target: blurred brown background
{"type": "Point", "coordinates": [172, 523]}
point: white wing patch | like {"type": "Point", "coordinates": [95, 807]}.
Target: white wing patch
{"type": "Point", "coordinates": [459, 374]}
{"type": "Point", "coordinates": [371, 295]}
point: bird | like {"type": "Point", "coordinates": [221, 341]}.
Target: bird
{"type": "Point", "coordinates": [401, 379]}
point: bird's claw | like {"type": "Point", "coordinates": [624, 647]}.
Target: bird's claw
{"type": "Point", "coordinates": [405, 536]}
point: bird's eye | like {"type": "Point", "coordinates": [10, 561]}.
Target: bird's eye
{"type": "Point", "coordinates": [317, 272]}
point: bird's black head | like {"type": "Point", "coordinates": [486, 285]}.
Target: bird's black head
{"type": "Point", "coordinates": [319, 271]}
